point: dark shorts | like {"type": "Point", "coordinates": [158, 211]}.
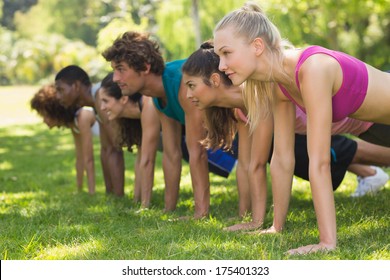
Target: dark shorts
{"type": "Point", "coordinates": [342, 151]}
{"type": "Point", "coordinates": [220, 162]}
{"type": "Point", "coordinates": [378, 134]}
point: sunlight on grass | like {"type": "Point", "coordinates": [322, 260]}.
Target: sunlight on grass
{"type": "Point", "coordinates": [65, 145]}
{"type": "Point", "coordinates": [71, 251]}
{"type": "Point", "coordinates": [22, 131]}
{"type": "Point", "coordinates": [6, 165]}
{"type": "Point", "coordinates": [16, 110]}
{"type": "Point", "coordinates": [97, 209]}
{"type": "Point", "coordinates": [383, 254]}
{"type": "Point", "coordinates": [301, 188]}
{"type": "Point", "coordinates": [366, 224]}
{"type": "Point", "coordinates": [185, 178]}
{"type": "Point", "coordinates": [26, 203]}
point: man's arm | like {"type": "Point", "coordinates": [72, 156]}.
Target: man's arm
{"type": "Point", "coordinates": [150, 137]}
{"type": "Point", "coordinates": [85, 120]}
{"type": "Point", "coordinates": [171, 134]}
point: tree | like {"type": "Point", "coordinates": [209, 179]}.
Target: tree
{"type": "Point", "coordinates": [176, 30]}
{"type": "Point", "coordinates": [195, 20]}
{"type": "Point", "coordinates": [360, 28]}
{"type": "Point", "coordinates": [74, 19]}
{"type": "Point", "coordinates": [9, 7]}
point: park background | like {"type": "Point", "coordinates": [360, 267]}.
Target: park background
{"type": "Point", "coordinates": [41, 214]}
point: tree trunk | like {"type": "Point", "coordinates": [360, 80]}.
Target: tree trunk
{"type": "Point", "coordinates": [195, 18]}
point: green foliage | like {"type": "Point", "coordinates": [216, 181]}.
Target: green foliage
{"type": "Point", "coordinates": [355, 27]}
{"type": "Point", "coordinates": [175, 25]}
{"type": "Point", "coordinates": [360, 28]}
{"type": "Point", "coordinates": [27, 61]}
{"type": "Point", "coordinates": [77, 53]}
{"type": "Point", "coordinates": [116, 28]}
{"type": "Point", "coordinates": [74, 19]}
{"type": "Point", "coordinates": [8, 9]}
{"type": "Point", "coordinates": [7, 38]}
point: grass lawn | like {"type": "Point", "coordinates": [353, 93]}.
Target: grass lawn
{"type": "Point", "coordinates": [43, 217]}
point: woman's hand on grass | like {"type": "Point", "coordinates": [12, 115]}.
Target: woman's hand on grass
{"type": "Point", "coordinates": [243, 226]}
{"type": "Point", "coordinates": [311, 249]}
{"type": "Point", "coordinates": [270, 230]}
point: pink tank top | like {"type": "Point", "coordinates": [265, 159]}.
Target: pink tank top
{"type": "Point", "coordinates": [353, 89]}
{"type": "Point", "coordinates": [241, 116]}
{"type": "Point", "coordinates": [346, 125]}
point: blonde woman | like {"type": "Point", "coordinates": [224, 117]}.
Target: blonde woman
{"type": "Point", "coordinates": [327, 85]}
{"type": "Point", "coordinates": [212, 92]}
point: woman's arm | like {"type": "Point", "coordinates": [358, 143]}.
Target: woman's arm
{"type": "Point", "coordinates": [195, 132]}
{"type": "Point", "coordinates": [242, 168]}
{"type": "Point", "coordinates": [253, 155]}
{"type": "Point", "coordinates": [316, 91]}
{"type": "Point", "coordinates": [260, 152]}
{"type": "Point", "coordinates": [79, 160]}
{"type": "Point", "coordinates": [283, 159]}
{"type": "Point", "coordinates": [85, 120]}
{"type": "Point", "coordinates": [171, 161]}
{"type": "Point", "coordinates": [111, 156]}
{"type": "Point", "coordinates": [150, 138]}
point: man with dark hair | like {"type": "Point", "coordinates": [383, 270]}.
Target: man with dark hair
{"type": "Point", "coordinates": [75, 88]}
{"type": "Point", "coordinates": [139, 67]}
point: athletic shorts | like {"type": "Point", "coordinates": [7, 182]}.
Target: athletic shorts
{"type": "Point", "coordinates": [378, 134]}
{"type": "Point", "coordinates": [220, 162]}
{"type": "Point", "coordinates": [342, 152]}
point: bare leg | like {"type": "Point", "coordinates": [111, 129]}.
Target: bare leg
{"type": "Point", "coordinates": [361, 170]}
{"type": "Point", "coordinates": [371, 154]}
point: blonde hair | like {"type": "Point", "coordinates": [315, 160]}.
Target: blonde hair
{"type": "Point", "coordinates": [251, 22]}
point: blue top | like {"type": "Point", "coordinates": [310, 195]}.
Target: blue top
{"type": "Point", "coordinates": [220, 162]}
{"type": "Point", "coordinates": [171, 77]}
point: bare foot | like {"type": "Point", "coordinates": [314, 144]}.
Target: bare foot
{"type": "Point", "coordinates": [243, 226]}
{"type": "Point", "coordinates": [270, 230]}
{"type": "Point", "coordinates": [311, 249]}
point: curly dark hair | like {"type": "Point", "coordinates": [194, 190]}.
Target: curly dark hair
{"type": "Point", "coordinates": [136, 50]}
{"type": "Point", "coordinates": [46, 103]}
{"type": "Point", "coordinates": [220, 123]}
{"type": "Point", "coordinates": [130, 133]}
